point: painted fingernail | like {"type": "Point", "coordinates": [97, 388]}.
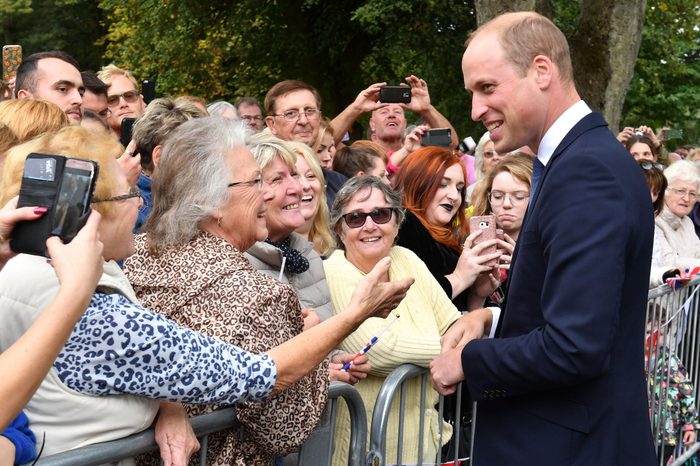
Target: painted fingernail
{"type": "Point", "coordinates": [41, 210]}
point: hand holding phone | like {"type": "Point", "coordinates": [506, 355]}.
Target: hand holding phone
{"type": "Point", "coordinates": [487, 225]}
{"type": "Point", "coordinates": [395, 94]}
{"type": "Point", "coordinates": [65, 186]}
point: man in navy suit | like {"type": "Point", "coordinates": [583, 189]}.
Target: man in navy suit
{"type": "Point", "coordinates": [563, 381]}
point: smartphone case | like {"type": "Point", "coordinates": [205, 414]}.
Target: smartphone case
{"type": "Point", "coordinates": [30, 237]}
{"type": "Point", "coordinates": [486, 233]}
{"type": "Point", "coordinates": [11, 59]}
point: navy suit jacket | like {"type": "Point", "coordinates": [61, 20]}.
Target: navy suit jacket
{"type": "Point", "coordinates": [563, 383]}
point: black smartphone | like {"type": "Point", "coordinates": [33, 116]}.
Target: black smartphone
{"type": "Point", "coordinates": [440, 137]}
{"type": "Point", "coordinates": [148, 90]}
{"type": "Point", "coordinates": [126, 131]}
{"type": "Point", "coordinates": [395, 94]}
{"type": "Point", "coordinates": [64, 185]}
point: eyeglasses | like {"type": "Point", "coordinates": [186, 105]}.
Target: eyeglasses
{"type": "Point", "coordinates": [293, 115]}
{"type": "Point", "coordinates": [516, 197]}
{"type": "Point", "coordinates": [132, 193]}
{"type": "Point", "coordinates": [129, 97]}
{"type": "Point", "coordinates": [683, 192]}
{"type": "Point", "coordinates": [379, 216]}
{"type": "Point", "coordinates": [257, 182]}
{"type": "Point", "coordinates": [252, 117]}
{"type": "Point", "coordinates": [647, 165]}
{"type": "Point", "coordinates": [104, 113]}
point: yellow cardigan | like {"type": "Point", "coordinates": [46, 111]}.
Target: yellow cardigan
{"type": "Point", "coordinates": [425, 314]}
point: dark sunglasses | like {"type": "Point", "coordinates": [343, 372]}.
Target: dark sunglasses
{"type": "Point", "coordinates": [647, 165]}
{"type": "Point", "coordinates": [129, 97]}
{"type": "Point", "coordinates": [379, 216]}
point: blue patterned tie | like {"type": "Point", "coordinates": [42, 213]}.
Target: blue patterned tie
{"type": "Point", "coordinates": [537, 169]}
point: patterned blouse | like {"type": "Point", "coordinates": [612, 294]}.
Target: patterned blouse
{"type": "Point", "coordinates": [121, 348]}
{"type": "Point", "coordinates": [673, 402]}
{"type": "Point", "coordinates": [209, 286]}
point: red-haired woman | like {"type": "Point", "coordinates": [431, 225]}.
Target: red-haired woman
{"type": "Point", "coordinates": [432, 184]}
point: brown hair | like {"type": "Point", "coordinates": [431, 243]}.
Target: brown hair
{"type": "Point", "coordinates": [351, 160]}
{"type": "Point", "coordinates": [520, 168]}
{"type": "Point", "coordinates": [373, 146]}
{"type": "Point", "coordinates": [524, 35]}
{"type": "Point", "coordinates": [419, 179]}
{"type": "Point", "coordinates": [285, 87]}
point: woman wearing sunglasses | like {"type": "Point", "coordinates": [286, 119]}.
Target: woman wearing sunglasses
{"type": "Point", "coordinates": [366, 217]}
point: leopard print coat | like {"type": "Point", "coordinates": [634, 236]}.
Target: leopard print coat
{"type": "Point", "coordinates": [209, 286]}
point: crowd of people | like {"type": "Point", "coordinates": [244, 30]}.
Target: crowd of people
{"type": "Point", "coordinates": [240, 253]}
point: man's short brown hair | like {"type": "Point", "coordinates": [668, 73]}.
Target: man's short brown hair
{"type": "Point", "coordinates": [285, 87]}
{"type": "Point", "coordinates": [524, 35]}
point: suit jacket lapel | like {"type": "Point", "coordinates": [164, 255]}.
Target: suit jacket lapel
{"type": "Point", "coordinates": [590, 121]}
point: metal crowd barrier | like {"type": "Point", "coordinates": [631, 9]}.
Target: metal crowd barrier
{"type": "Point", "coordinates": [317, 450]}
{"type": "Point", "coordinates": [396, 382]}
{"type": "Point", "coordinates": [673, 336]}
{"type": "Point", "coordinates": [143, 442]}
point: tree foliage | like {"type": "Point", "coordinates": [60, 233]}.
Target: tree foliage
{"type": "Point", "coordinates": [664, 89]}
{"type": "Point", "coordinates": [233, 48]}
{"type": "Point", "coordinates": [75, 26]}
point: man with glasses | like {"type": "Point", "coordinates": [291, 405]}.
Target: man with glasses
{"type": "Point", "coordinates": [123, 96]}
{"type": "Point", "coordinates": [294, 114]}
{"type": "Point", "coordinates": [249, 110]}
{"type": "Point", "coordinates": [52, 76]}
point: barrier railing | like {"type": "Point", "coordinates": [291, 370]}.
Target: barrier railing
{"type": "Point", "coordinates": [396, 381]}
{"type": "Point", "coordinates": [672, 356]}
{"type": "Point", "coordinates": [673, 329]}
{"type": "Point", "coordinates": [317, 449]}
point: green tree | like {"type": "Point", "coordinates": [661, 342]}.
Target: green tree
{"type": "Point", "coordinates": [230, 49]}
{"type": "Point", "coordinates": [74, 26]}
{"type": "Point", "coordinates": [664, 88]}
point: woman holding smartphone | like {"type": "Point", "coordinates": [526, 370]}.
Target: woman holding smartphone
{"type": "Point", "coordinates": [433, 188]}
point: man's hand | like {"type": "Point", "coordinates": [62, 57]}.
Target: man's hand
{"type": "Point", "coordinates": [368, 100]}
{"type": "Point", "coordinates": [420, 97]}
{"type": "Point", "coordinates": [473, 325]}
{"type": "Point", "coordinates": [174, 435]}
{"type": "Point", "coordinates": [130, 163]}
{"type": "Point", "coordinates": [446, 371]}
{"type": "Point", "coordinates": [359, 369]}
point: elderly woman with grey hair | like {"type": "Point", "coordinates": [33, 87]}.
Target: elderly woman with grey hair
{"type": "Point", "coordinates": [365, 217]}
{"type": "Point", "coordinates": [209, 207]}
{"type": "Point", "coordinates": [675, 242]}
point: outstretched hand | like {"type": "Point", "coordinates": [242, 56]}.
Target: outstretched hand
{"type": "Point", "coordinates": [375, 296]}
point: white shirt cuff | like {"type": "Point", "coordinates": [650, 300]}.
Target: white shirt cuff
{"type": "Point", "coordinates": [496, 314]}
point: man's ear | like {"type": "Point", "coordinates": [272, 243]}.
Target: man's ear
{"type": "Point", "coordinates": [270, 122]}
{"type": "Point", "coordinates": [544, 71]}
{"type": "Point", "coordinates": [360, 173]}
{"type": "Point", "coordinates": [155, 155]}
{"type": "Point", "coordinates": [24, 94]}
